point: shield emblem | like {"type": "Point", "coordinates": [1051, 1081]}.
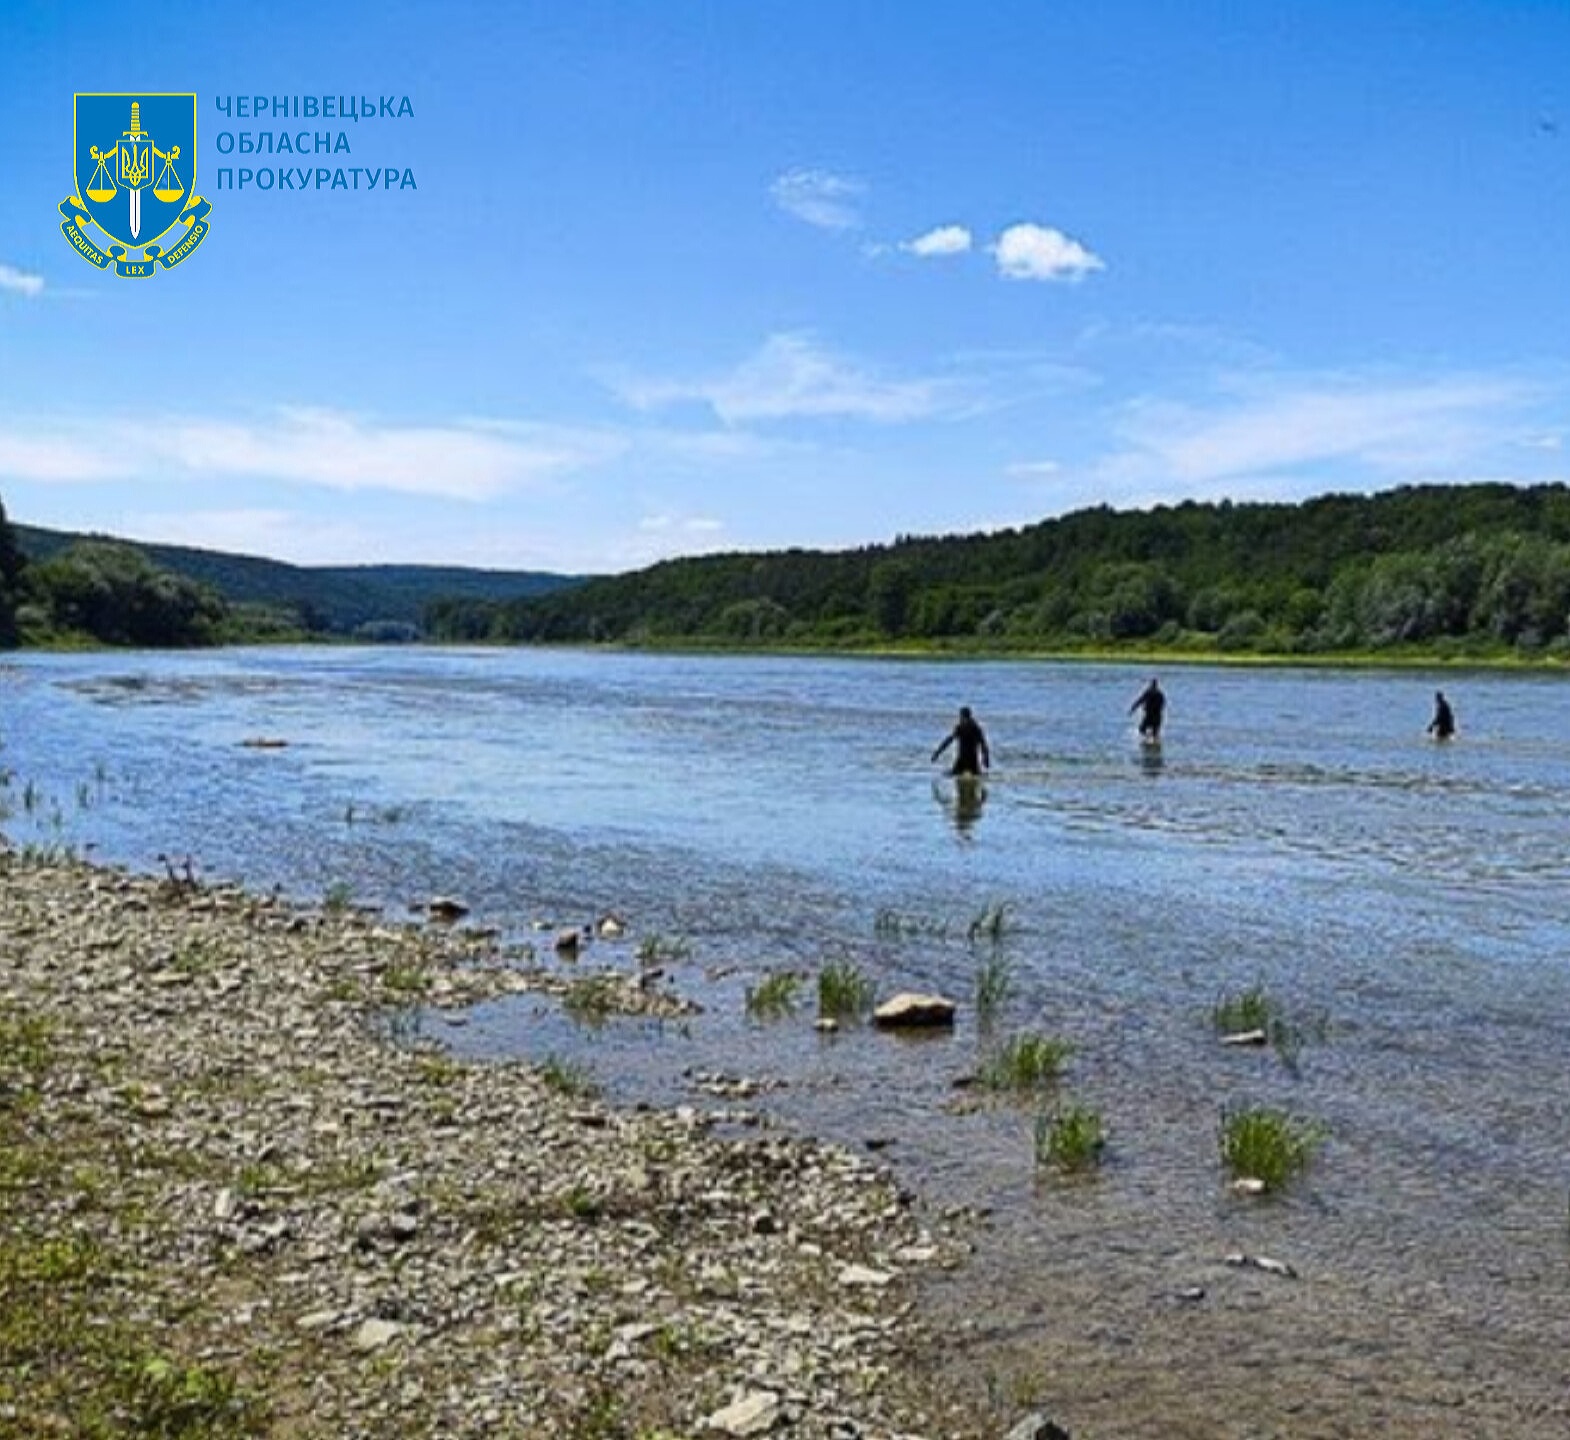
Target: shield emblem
{"type": "Point", "coordinates": [135, 162]}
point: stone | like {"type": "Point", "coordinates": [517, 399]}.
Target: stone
{"type": "Point", "coordinates": [754, 1414]}
{"type": "Point", "coordinates": [568, 941]}
{"type": "Point", "coordinates": [1037, 1427]}
{"type": "Point", "coordinates": [1245, 1037]}
{"type": "Point", "coordinates": [445, 908]}
{"type": "Point", "coordinates": [373, 1334]}
{"type": "Point", "coordinates": [864, 1275]}
{"type": "Point", "coordinates": [611, 927]}
{"type": "Point", "coordinates": [910, 1008]}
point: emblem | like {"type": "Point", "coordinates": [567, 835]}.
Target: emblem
{"type": "Point", "coordinates": [135, 172]}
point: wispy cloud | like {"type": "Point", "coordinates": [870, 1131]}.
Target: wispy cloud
{"type": "Point", "coordinates": [944, 240]}
{"type": "Point", "coordinates": [792, 376]}
{"type": "Point", "coordinates": [20, 282]}
{"type": "Point", "coordinates": [820, 198]}
{"type": "Point", "coordinates": [1033, 469]}
{"type": "Point", "coordinates": [1302, 434]}
{"type": "Point", "coordinates": [334, 450]}
{"type": "Point", "coordinates": [1038, 252]}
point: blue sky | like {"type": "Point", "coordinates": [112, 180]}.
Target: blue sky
{"type": "Point", "coordinates": [691, 276]}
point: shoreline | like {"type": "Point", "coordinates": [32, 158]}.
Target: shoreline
{"type": "Point", "coordinates": [1352, 660]}
{"type": "Point", "coordinates": [227, 1186]}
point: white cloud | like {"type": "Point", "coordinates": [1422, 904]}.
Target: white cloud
{"type": "Point", "coordinates": [20, 282]}
{"type": "Point", "coordinates": [791, 376]}
{"type": "Point", "coordinates": [1033, 469]}
{"type": "Point", "coordinates": [470, 460]}
{"type": "Point", "coordinates": [1292, 436]}
{"type": "Point", "coordinates": [820, 198]}
{"type": "Point", "coordinates": [1038, 252]}
{"type": "Point", "coordinates": [945, 240]}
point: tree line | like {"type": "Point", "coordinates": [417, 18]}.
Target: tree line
{"type": "Point", "coordinates": [1479, 569]}
{"type": "Point", "coordinates": [102, 592]}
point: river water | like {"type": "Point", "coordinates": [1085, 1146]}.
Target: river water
{"type": "Point", "coordinates": [1408, 902]}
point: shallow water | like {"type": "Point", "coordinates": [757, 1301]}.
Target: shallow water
{"type": "Point", "coordinates": [1295, 829]}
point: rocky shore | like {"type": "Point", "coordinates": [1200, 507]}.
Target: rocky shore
{"type": "Point", "coordinates": [231, 1204]}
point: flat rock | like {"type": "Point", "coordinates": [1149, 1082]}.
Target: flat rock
{"type": "Point", "coordinates": [754, 1414]}
{"type": "Point", "coordinates": [864, 1275]}
{"type": "Point", "coordinates": [910, 1008]}
{"type": "Point", "coordinates": [374, 1334]}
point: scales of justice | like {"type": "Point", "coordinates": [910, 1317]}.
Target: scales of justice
{"type": "Point", "coordinates": [132, 161]}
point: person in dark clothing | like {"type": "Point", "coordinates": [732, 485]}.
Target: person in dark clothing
{"type": "Point", "coordinates": [1154, 705]}
{"type": "Point", "coordinates": [971, 755]}
{"type": "Point", "coordinates": [1443, 725]}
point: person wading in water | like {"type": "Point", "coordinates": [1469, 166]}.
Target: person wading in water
{"type": "Point", "coordinates": [1443, 725]}
{"type": "Point", "coordinates": [971, 755]}
{"type": "Point", "coordinates": [1154, 704]}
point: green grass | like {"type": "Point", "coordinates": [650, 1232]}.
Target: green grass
{"type": "Point", "coordinates": [659, 949]}
{"type": "Point", "coordinates": [338, 898]}
{"type": "Point", "coordinates": [1268, 1145]}
{"type": "Point", "coordinates": [1026, 1062]}
{"type": "Point", "coordinates": [994, 985]}
{"type": "Point", "coordinates": [567, 1077]}
{"type": "Point", "coordinates": [844, 992]}
{"type": "Point", "coordinates": [1071, 1137]}
{"type": "Point", "coordinates": [1241, 1010]}
{"type": "Point", "coordinates": [774, 996]}
{"type": "Point", "coordinates": [1256, 1009]}
{"type": "Point", "coordinates": [592, 999]}
{"type": "Point", "coordinates": [991, 924]}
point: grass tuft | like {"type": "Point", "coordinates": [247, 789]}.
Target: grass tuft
{"type": "Point", "coordinates": [567, 1077]}
{"type": "Point", "coordinates": [844, 992]}
{"type": "Point", "coordinates": [994, 985]}
{"type": "Point", "coordinates": [774, 996]}
{"type": "Point", "coordinates": [1268, 1145]}
{"type": "Point", "coordinates": [1071, 1137]}
{"type": "Point", "coordinates": [1026, 1062]}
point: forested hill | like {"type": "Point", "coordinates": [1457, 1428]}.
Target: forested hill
{"type": "Point", "coordinates": [336, 599]}
{"type": "Point", "coordinates": [1476, 569]}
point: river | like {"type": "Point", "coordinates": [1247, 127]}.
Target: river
{"type": "Point", "coordinates": [1408, 902]}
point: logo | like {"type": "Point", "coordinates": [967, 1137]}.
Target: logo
{"type": "Point", "coordinates": [135, 159]}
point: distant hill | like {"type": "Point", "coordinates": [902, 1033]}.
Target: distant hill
{"type": "Point", "coordinates": [334, 598]}
{"type": "Point", "coordinates": [1442, 570]}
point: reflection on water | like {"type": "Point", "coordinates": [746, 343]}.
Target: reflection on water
{"type": "Point", "coordinates": [1293, 829]}
{"type": "Point", "coordinates": [962, 797]}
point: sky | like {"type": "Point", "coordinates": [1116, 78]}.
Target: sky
{"type": "Point", "coordinates": [678, 276]}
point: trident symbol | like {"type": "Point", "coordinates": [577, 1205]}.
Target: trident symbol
{"type": "Point", "coordinates": [134, 156]}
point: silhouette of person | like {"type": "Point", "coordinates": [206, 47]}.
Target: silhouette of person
{"type": "Point", "coordinates": [971, 755]}
{"type": "Point", "coordinates": [1443, 725]}
{"type": "Point", "coordinates": [1153, 703]}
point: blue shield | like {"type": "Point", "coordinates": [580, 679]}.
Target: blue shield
{"type": "Point", "coordinates": [135, 162]}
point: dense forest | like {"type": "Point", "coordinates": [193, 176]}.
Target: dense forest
{"type": "Point", "coordinates": [1475, 570]}
{"type": "Point", "coordinates": [104, 593]}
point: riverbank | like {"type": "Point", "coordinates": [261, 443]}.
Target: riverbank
{"type": "Point", "coordinates": [230, 1205]}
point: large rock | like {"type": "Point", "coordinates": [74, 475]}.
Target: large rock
{"type": "Point", "coordinates": [1037, 1427]}
{"type": "Point", "coordinates": [909, 1009]}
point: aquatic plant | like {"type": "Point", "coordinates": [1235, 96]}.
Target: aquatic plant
{"type": "Point", "coordinates": [1242, 1010]}
{"type": "Point", "coordinates": [338, 898]}
{"type": "Point", "coordinates": [1267, 1145]}
{"type": "Point", "coordinates": [1070, 1137]}
{"type": "Point", "coordinates": [590, 999]}
{"type": "Point", "coordinates": [843, 991]}
{"type": "Point", "coordinates": [773, 996]}
{"type": "Point", "coordinates": [657, 949]}
{"type": "Point", "coordinates": [1026, 1062]}
{"type": "Point", "coordinates": [994, 985]}
{"type": "Point", "coordinates": [890, 924]}
{"type": "Point", "coordinates": [566, 1077]}
{"type": "Point", "coordinates": [991, 923]}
